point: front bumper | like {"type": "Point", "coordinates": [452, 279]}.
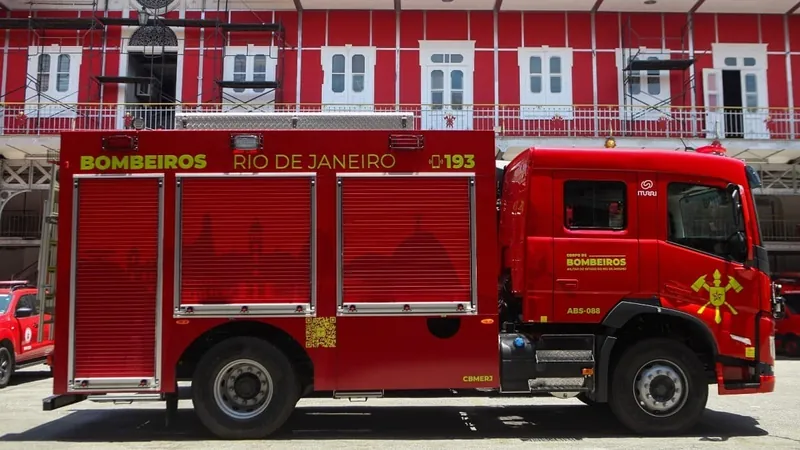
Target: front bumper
{"type": "Point", "coordinates": [764, 385]}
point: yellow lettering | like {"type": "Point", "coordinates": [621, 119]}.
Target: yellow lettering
{"type": "Point", "coordinates": [281, 162]}
{"type": "Point", "coordinates": [239, 161]}
{"type": "Point", "coordinates": [119, 163]}
{"type": "Point", "coordinates": [87, 163]}
{"type": "Point", "coordinates": [388, 161]}
{"type": "Point", "coordinates": [373, 160]}
{"type": "Point", "coordinates": [102, 162]}
{"type": "Point", "coordinates": [477, 378]}
{"type": "Point", "coordinates": [296, 163]}
{"type": "Point", "coordinates": [339, 162]}
{"type": "Point", "coordinates": [150, 162]}
{"type": "Point", "coordinates": [137, 162]}
{"type": "Point", "coordinates": [170, 162]}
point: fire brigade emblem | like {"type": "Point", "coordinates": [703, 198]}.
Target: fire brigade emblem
{"type": "Point", "coordinates": [449, 120]}
{"type": "Point", "coordinates": [716, 293]}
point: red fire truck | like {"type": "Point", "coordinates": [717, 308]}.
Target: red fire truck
{"type": "Point", "coordinates": [265, 260]}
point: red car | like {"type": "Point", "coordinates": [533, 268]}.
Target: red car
{"type": "Point", "coordinates": [19, 326]}
{"type": "Point", "coordinates": [787, 330]}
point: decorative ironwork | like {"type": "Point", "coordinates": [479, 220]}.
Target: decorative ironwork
{"type": "Point", "coordinates": [154, 36]}
{"type": "Point", "coordinates": [155, 4]}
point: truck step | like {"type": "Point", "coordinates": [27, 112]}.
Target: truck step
{"type": "Point", "coordinates": [563, 384]}
{"type": "Point", "coordinates": [564, 356]}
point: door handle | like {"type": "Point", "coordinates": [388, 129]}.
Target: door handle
{"type": "Point", "coordinates": [677, 289]}
{"type": "Point", "coordinates": [36, 325]}
{"type": "Point", "coordinates": [568, 283]}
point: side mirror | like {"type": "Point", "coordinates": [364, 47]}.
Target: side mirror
{"type": "Point", "coordinates": [23, 312]}
{"type": "Point", "coordinates": [739, 246]}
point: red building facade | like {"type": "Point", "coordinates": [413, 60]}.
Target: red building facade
{"type": "Point", "coordinates": [522, 73]}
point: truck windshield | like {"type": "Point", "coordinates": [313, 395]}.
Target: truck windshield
{"type": "Point", "coordinates": [5, 300]}
{"type": "Point", "coordinates": [701, 218]}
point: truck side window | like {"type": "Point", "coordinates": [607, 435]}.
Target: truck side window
{"type": "Point", "coordinates": [702, 218]}
{"type": "Point", "coordinates": [595, 205]}
{"type": "Point", "coordinates": [29, 301]}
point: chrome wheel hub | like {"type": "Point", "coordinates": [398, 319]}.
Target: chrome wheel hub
{"type": "Point", "coordinates": [660, 388]}
{"type": "Point", "coordinates": [243, 389]}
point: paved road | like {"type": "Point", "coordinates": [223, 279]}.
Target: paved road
{"type": "Point", "coordinates": [738, 422]}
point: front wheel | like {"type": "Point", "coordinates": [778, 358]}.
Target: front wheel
{"type": "Point", "coordinates": [6, 366]}
{"type": "Point", "coordinates": [244, 388]}
{"type": "Point", "coordinates": [659, 387]}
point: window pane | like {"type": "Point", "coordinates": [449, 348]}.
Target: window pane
{"type": "Point", "coordinates": [701, 218]}
{"type": "Point", "coordinates": [437, 79]}
{"type": "Point", "coordinates": [44, 82]}
{"type": "Point", "coordinates": [536, 84]}
{"type": "Point", "coordinates": [731, 62]}
{"type": "Point", "coordinates": [62, 82]}
{"type": "Point", "coordinates": [595, 204]}
{"type": "Point", "coordinates": [337, 83]}
{"type": "Point", "coordinates": [555, 65]}
{"type": "Point", "coordinates": [437, 99]}
{"type": "Point", "coordinates": [750, 83]}
{"type": "Point", "coordinates": [749, 62]}
{"type": "Point", "coordinates": [44, 63]}
{"type": "Point", "coordinates": [358, 83]}
{"type": "Point", "coordinates": [438, 58]}
{"type": "Point", "coordinates": [260, 64]}
{"type": "Point", "coordinates": [63, 63]}
{"type": "Point", "coordinates": [555, 84]}
{"type": "Point", "coordinates": [239, 63]}
{"type": "Point", "coordinates": [653, 83]}
{"type": "Point", "coordinates": [535, 64]}
{"type": "Point", "coordinates": [752, 100]}
{"type": "Point", "coordinates": [456, 99]}
{"type": "Point", "coordinates": [338, 64]}
{"type": "Point", "coordinates": [359, 64]}
{"type": "Point", "coordinates": [259, 77]}
{"type": "Point", "coordinates": [457, 80]}
{"type": "Point", "coordinates": [239, 77]}
{"type": "Point", "coordinates": [635, 83]}
{"type": "Point", "coordinates": [456, 58]}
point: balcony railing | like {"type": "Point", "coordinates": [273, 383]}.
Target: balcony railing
{"type": "Point", "coordinates": [505, 120]}
{"type": "Point", "coordinates": [20, 224]}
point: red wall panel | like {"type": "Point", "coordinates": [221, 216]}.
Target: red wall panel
{"type": "Point", "coordinates": [483, 80]}
{"type": "Point", "coordinates": [772, 32]}
{"type": "Point", "coordinates": [777, 88]}
{"type": "Point", "coordinates": [314, 29]}
{"type": "Point", "coordinates": [411, 29]}
{"type": "Point", "coordinates": [705, 31]}
{"type": "Point", "coordinates": [545, 29]}
{"type": "Point", "coordinates": [607, 30]}
{"type": "Point", "coordinates": [348, 27]}
{"type": "Point", "coordinates": [582, 83]}
{"type": "Point", "coordinates": [794, 32]}
{"type": "Point", "coordinates": [737, 28]}
{"type": "Point", "coordinates": [384, 26]}
{"type": "Point", "coordinates": [410, 77]}
{"type": "Point", "coordinates": [509, 29]}
{"type": "Point", "coordinates": [607, 79]}
{"type": "Point", "coordinates": [446, 25]}
{"type": "Point", "coordinates": [385, 77]}
{"type": "Point", "coordinates": [481, 29]}
{"type": "Point", "coordinates": [311, 75]}
{"type": "Point", "coordinates": [579, 26]}
{"type": "Point", "coordinates": [642, 30]}
{"type": "Point", "coordinates": [509, 78]}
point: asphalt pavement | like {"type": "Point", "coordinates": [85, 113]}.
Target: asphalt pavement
{"type": "Point", "coordinates": [735, 422]}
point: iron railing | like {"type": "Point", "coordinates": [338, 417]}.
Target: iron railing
{"type": "Point", "coordinates": [505, 120]}
{"type": "Point", "coordinates": [21, 224]}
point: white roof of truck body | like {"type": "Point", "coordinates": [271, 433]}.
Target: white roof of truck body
{"type": "Point", "coordinates": [366, 120]}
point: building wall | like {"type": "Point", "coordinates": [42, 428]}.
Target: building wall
{"type": "Point", "coordinates": [396, 71]}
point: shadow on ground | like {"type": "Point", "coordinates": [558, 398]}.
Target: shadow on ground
{"type": "Point", "coordinates": [28, 376]}
{"type": "Point", "coordinates": [540, 423]}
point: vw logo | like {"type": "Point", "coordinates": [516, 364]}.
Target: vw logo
{"type": "Point", "coordinates": [647, 184]}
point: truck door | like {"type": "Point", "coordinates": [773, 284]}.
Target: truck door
{"type": "Point", "coordinates": [595, 243]}
{"type": "Point", "coordinates": [27, 316]}
{"type": "Point", "coordinates": [699, 270]}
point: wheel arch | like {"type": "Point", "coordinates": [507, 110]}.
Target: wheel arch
{"type": "Point", "coordinates": [634, 319]}
{"type": "Point", "coordinates": [295, 352]}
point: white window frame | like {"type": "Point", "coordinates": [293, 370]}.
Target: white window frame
{"type": "Point", "coordinates": [53, 103]}
{"type": "Point", "coordinates": [545, 105]}
{"type": "Point", "coordinates": [632, 108]}
{"type": "Point", "coordinates": [438, 119]}
{"type": "Point", "coordinates": [354, 100]}
{"type": "Point", "coordinates": [249, 99]}
{"type": "Point", "coordinates": [755, 126]}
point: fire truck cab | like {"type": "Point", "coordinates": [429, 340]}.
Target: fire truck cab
{"type": "Point", "coordinates": [267, 257]}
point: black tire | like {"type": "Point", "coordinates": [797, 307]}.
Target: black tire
{"type": "Point", "coordinates": [279, 406]}
{"type": "Point", "coordinates": [6, 366]}
{"type": "Point", "coordinates": [686, 411]}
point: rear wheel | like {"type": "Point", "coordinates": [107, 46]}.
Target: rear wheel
{"type": "Point", "coordinates": [244, 388]}
{"type": "Point", "coordinates": [791, 345]}
{"type": "Point", "coordinates": [659, 387]}
{"type": "Point", "coordinates": [6, 366]}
